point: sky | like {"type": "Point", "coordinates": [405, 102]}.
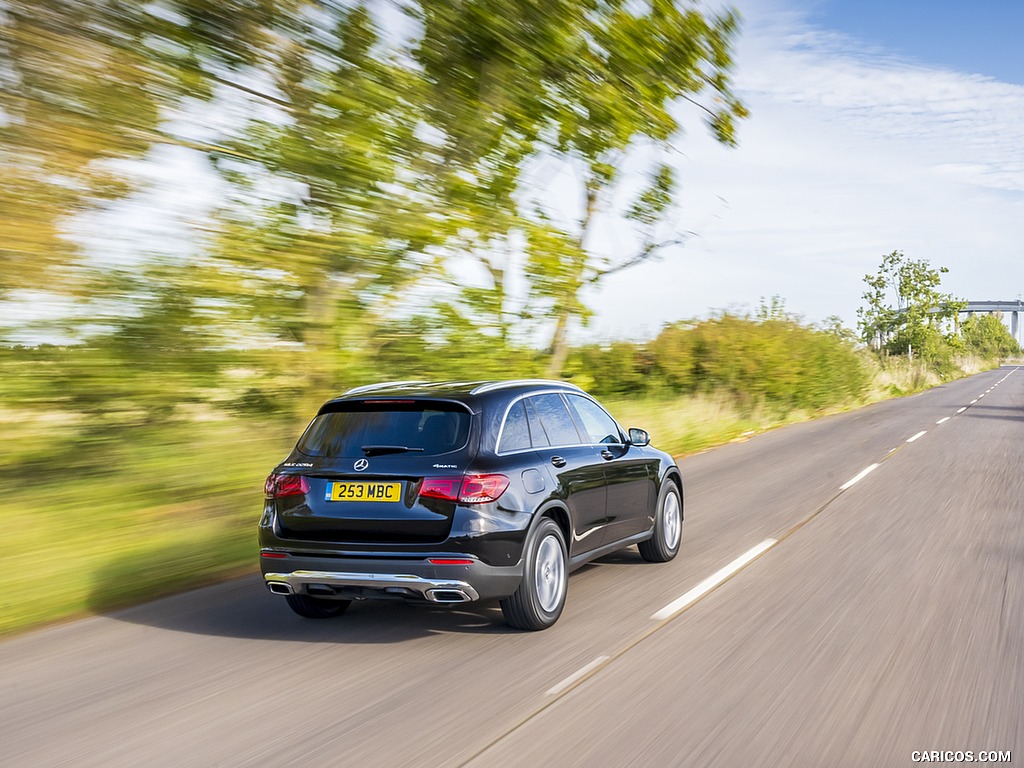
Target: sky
{"type": "Point", "coordinates": [875, 126]}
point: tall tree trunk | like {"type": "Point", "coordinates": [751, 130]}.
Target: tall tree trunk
{"type": "Point", "coordinates": [570, 304]}
{"type": "Point", "coordinates": [321, 340]}
{"type": "Point", "coordinates": [559, 346]}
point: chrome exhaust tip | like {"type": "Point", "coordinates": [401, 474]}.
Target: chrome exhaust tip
{"type": "Point", "coordinates": [448, 596]}
{"type": "Point", "coordinates": [279, 587]}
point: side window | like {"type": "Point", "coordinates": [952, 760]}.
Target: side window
{"type": "Point", "coordinates": [515, 434]}
{"type": "Point", "coordinates": [555, 419]}
{"type": "Point", "coordinates": [598, 425]}
{"type": "Point", "coordinates": [538, 436]}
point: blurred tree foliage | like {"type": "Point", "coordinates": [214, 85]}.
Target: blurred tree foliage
{"type": "Point", "coordinates": [87, 83]}
{"type": "Point", "coordinates": [589, 86]}
{"type": "Point", "coordinates": [333, 217]}
{"type": "Point", "coordinates": [367, 166]}
{"type": "Point", "coordinates": [77, 92]}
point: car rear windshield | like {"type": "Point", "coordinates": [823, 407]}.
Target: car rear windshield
{"type": "Point", "coordinates": [369, 428]}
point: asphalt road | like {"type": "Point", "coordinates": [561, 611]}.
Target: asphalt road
{"type": "Point", "coordinates": [882, 618]}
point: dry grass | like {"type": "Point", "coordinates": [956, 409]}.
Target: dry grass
{"type": "Point", "coordinates": [688, 424]}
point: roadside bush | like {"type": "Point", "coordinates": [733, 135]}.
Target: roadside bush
{"type": "Point", "coordinates": [771, 359]}
{"type": "Point", "coordinates": [987, 337]}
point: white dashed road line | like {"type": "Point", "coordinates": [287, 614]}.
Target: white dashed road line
{"type": "Point", "coordinates": [684, 601]}
{"type": "Point", "coordinates": [858, 478]}
{"type": "Point", "coordinates": [712, 581]}
{"type": "Point", "coordinates": [557, 689]}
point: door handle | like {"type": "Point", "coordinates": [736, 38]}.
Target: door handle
{"type": "Point", "coordinates": [607, 455]}
{"type": "Point", "coordinates": [558, 461]}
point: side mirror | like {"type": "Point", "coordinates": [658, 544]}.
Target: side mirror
{"type": "Point", "coordinates": [638, 437]}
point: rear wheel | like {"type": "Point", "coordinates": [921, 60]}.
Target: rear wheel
{"type": "Point", "coordinates": [668, 526]}
{"type": "Point", "coordinates": [316, 607]}
{"type": "Point", "coordinates": [538, 602]}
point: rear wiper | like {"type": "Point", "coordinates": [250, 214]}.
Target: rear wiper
{"type": "Point", "coordinates": [377, 450]}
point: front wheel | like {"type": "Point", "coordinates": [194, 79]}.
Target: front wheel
{"type": "Point", "coordinates": [538, 602]}
{"type": "Point", "coordinates": [668, 526]}
{"type": "Point", "coordinates": [316, 607]}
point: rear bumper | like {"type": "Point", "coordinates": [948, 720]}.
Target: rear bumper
{"type": "Point", "coordinates": [364, 577]}
{"type": "Point", "coordinates": [341, 584]}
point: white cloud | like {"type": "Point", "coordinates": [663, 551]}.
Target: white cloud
{"type": "Point", "coordinates": [849, 154]}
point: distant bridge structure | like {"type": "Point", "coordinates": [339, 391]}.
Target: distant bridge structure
{"type": "Point", "coordinates": [1013, 308]}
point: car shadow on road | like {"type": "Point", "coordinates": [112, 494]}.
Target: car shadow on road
{"type": "Point", "coordinates": [242, 608]}
{"type": "Point", "coordinates": [1000, 412]}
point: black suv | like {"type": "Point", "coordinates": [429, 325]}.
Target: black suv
{"type": "Point", "coordinates": [459, 491]}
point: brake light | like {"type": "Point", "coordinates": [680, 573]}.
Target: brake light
{"type": "Point", "coordinates": [285, 485]}
{"type": "Point", "coordinates": [477, 489]}
{"type": "Point", "coordinates": [445, 488]}
{"type": "Point", "coordinates": [466, 489]}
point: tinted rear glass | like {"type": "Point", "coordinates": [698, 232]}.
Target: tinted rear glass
{"type": "Point", "coordinates": [426, 429]}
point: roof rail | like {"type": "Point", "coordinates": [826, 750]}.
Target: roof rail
{"type": "Point", "coordinates": [493, 385]}
{"type": "Point", "coordinates": [381, 385]}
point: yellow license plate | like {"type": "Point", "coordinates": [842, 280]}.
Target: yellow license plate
{"type": "Point", "coordinates": [364, 491]}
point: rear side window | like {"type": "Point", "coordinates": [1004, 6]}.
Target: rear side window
{"type": "Point", "coordinates": [361, 429]}
{"type": "Point", "coordinates": [538, 436]}
{"type": "Point", "coordinates": [515, 434]}
{"type": "Point", "coordinates": [555, 419]}
{"type": "Point", "coordinates": [598, 425]}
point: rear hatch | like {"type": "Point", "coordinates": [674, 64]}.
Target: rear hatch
{"type": "Point", "coordinates": [367, 461]}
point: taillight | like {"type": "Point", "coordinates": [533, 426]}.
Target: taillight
{"type": "Point", "coordinates": [445, 488]}
{"type": "Point", "coordinates": [466, 489]}
{"type": "Point", "coordinates": [477, 489]}
{"type": "Point", "coordinates": [285, 485]}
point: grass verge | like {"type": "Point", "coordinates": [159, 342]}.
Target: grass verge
{"type": "Point", "coordinates": [155, 512]}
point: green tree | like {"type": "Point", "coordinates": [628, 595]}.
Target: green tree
{"type": "Point", "coordinates": [588, 85]}
{"type": "Point", "coordinates": [76, 92]}
{"type": "Point", "coordinates": [329, 226]}
{"type": "Point", "coordinates": [987, 337]}
{"type": "Point", "coordinates": [905, 311]}
{"type": "Point", "coordinates": [87, 84]}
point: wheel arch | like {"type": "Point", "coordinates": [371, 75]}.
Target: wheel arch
{"type": "Point", "coordinates": [673, 475]}
{"type": "Point", "coordinates": [557, 512]}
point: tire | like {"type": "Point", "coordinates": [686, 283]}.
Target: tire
{"type": "Point", "coordinates": [316, 607]}
{"type": "Point", "coordinates": [668, 526]}
{"type": "Point", "coordinates": [539, 600]}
